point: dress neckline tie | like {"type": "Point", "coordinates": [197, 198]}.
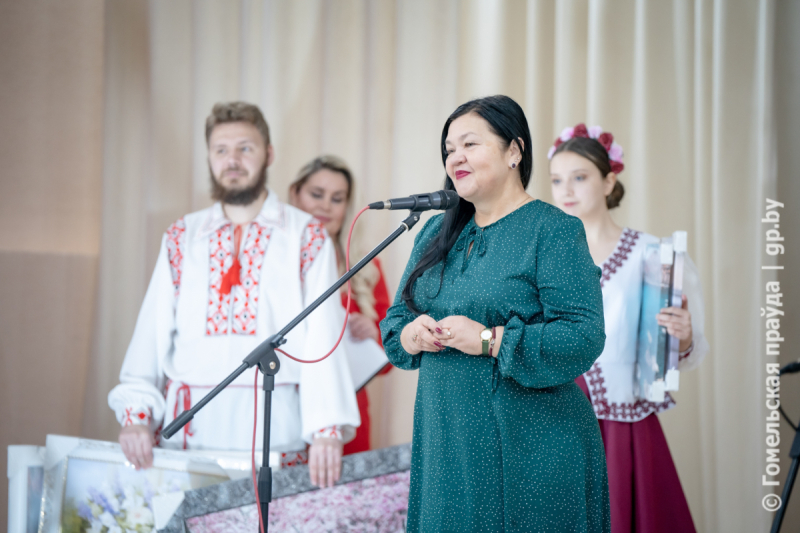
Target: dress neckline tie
{"type": "Point", "coordinates": [471, 242]}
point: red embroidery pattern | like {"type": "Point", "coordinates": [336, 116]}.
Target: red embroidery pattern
{"type": "Point", "coordinates": [626, 243]}
{"type": "Point", "coordinates": [220, 248]}
{"type": "Point", "coordinates": [139, 417]}
{"type": "Point", "coordinates": [333, 432]}
{"type": "Point", "coordinates": [175, 244]}
{"type": "Point", "coordinates": [185, 391]}
{"type": "Point", "coordinates": [313, 239]}
{"type": "Point", "coordinates": [242, 301]}
{"type": "Point", "coordinates": [245, 295]}
{"type": "Point", "coordinates": [294, 458]}
{"type": "Point", "coordinates": [632, 412]}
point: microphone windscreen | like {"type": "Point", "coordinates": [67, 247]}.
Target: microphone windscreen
{"type": "Point", "coordinates": [449, 199]}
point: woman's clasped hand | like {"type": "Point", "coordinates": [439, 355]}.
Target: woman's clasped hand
{"type": "Point", "coordinates": [425, 334]}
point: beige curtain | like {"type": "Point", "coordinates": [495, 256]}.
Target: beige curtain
{"type": "Point", "coordinates": [51, 153]}
{"type": "Point", "coordinates": [686, 87]}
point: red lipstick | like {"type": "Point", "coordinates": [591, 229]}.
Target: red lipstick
{"type": "Point", "coordinates": [461, 173]}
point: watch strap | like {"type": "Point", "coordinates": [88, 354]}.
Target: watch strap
{"type": "Point", "coordinates": [484, 344]}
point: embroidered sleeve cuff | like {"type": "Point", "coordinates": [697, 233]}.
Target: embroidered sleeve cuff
{"type": "Point", "coordinates": [136, 417]}
{"type": "Point", "coordinates": [333, 432]}
{"type": "Point", "coordinates": [686, 353]}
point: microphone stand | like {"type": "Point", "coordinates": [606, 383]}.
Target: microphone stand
{"type": "Point", "coordinates": [794, 453]}
{"type": "Point", "coordinates": [268, 363]}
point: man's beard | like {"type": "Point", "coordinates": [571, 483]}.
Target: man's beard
{"type": "Point", "coordinates": [244, 196]}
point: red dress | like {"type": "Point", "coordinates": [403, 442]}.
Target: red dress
{"type": "Point", "coordinates": [361, 442]}
{"type": "Point", "coordinates": [646, 493]}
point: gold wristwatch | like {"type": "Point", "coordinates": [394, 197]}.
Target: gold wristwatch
{"type": "Point", "coordinates": [486, 337]}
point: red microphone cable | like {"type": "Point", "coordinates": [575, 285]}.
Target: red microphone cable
{"type": "Point", "coordinates": [349, 295]}
{"type": "Point", "coordinates": [339, 340]}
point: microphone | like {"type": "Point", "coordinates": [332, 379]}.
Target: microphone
{"type": "Point", "coordinates": [442, 200]}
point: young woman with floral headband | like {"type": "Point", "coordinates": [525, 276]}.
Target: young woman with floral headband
{"type": "Point", "coordinates": [645, 491]}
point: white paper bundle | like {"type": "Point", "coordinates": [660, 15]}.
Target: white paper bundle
{"type": "Point", "coordinates": [652, 342]}
{"type": "Point", "coordinates": [672, 380]}
{"type": "Point", "coordinates": [662, 286]}
{"type": "Point", "coordinates": [366, 359]}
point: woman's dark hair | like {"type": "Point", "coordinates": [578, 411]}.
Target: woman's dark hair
{"type": "Point", "coordinates": [506, 120]}
{"type": "Point", "coordinates": [592, 150]}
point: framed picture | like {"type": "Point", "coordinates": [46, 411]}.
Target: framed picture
{"type": "Point", "coordinates": [371, 496]}
{"type": "Point", "coordinates": [25, 482]}
{"type": "Point", "coordinates": [90, 487]}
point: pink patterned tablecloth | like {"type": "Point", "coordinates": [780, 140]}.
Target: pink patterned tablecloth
{"type": "Point", "coordinates": [371, 505]}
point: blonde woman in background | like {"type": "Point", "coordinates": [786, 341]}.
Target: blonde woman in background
{"type": "Point", "coordinates": [324, 188]}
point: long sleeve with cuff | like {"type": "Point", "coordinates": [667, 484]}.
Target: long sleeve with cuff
{"type": "Point", "coordinates": [569, 336]}
{"type": "Point", "coordinates": [398, 316]}
{"type": "Point", "coordinates": [139, 399]}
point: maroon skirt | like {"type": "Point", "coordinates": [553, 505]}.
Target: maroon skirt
{"type": "Point", "coordinates": [644, 489]}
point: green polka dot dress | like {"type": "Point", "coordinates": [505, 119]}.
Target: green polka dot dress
{"type": "Point", "coordinates": [508, 443]}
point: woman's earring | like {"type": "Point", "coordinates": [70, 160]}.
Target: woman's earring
{"type": "Point", "coordinates": [513, 165]}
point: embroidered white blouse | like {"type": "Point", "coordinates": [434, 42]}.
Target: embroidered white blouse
{"type": "Point", "coordinates": [611, 380]}
{"type": "Point", "coordinates": [190, 335]}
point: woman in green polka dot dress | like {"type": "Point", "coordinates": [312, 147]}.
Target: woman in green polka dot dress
{"type": "Point", "coordinates": [500, 309]}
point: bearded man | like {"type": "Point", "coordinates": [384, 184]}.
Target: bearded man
{"type": "Point", "coordinates": [227, 277]}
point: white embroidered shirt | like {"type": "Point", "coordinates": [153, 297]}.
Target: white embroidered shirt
{"type": "Point", "coordinates": [191, 333]}
{"type": "Point", "coordinates": [611, 380]}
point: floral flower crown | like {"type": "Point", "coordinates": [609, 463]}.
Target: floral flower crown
{"type": "Point", "coordinates": [605, 138]}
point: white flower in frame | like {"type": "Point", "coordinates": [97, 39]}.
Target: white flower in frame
{"type": "Point", "coordinates": [107, 519]}
{"type": "Point", "coordinates": [110, 499]}
{"type": "Point", "coordinates": [140, 516]}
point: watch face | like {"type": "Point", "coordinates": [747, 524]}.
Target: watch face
{"type": "Point", "coordinates": [486, 334]}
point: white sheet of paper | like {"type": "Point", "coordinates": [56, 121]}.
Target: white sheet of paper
{"type": "Point", "coordinates": [164, 506]}
{"type": "Point", "coordinates": [366, 358]}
